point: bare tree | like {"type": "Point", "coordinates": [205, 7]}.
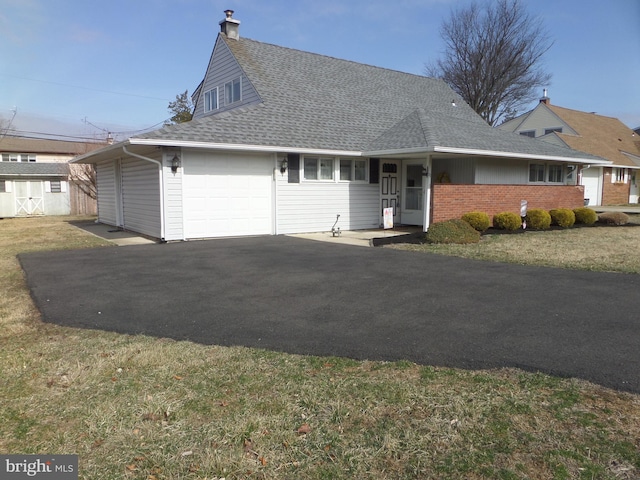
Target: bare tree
{"type": "Point", "coordinates": [492, 57]}
{"type": "Point", "coordinates": [84, 176]}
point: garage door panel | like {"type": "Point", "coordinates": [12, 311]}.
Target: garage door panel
{"type": "Point", "coordinates": [227, 196]}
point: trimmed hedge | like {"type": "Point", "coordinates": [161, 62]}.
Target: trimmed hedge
{"type": "Point", "coordinates": [507, 221]}
{"type": "Point", "coordinates": [563, 217]}
{"type": "Point", "coordinates": [585, 215]}
{"type": "Point", "coordinates": [478, 220]}
{"type": "Point", "coordinates": [538, 219]}
{"type": "Point", "coordinates": [452, 231]}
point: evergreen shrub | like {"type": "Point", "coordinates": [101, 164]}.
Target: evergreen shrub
{"type": "Point", "coordinates": [538, 219]}
{"type": "Point", "coordinates": [507, 221]}
{"type": "Point", "coordinates": [585, 215]}
{"type": "Point", "coordinates": [452, 231]}
{"type": "Point", "coordinates": [563, 217]}
{"type": "Point", "coordinates": [478, 220]}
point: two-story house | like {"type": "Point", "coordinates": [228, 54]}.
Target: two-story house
{"type": "Point", "coordinates": [606, 137]}
{"type": "Point", "coordinates": [285, 141]}
{"type": "Point", "coordinates": [36, 178]}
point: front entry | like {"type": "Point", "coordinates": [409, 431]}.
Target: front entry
{"type": "Point", "coordinates": [390, 189]}
{"type": "Point", "coordinates": [29, 199]}
{"type": "Point", "coordinates": [413, 198]}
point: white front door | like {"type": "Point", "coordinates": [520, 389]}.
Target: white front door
{"type": "Point", "coordinates": [413, 193]}
{"type": "Point", "coordinates": [29, 200]}
{"type": "Point", "coordinates": [591, 179]}
{"type": "Point", "coordinates": [390, 189]}
{"type": "Point", "coordinates": [634, 192]}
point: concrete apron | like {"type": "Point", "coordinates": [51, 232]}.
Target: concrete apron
{"type": "Point", "coordinates": [362, 238]}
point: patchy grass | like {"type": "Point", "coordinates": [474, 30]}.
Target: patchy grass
{"type": "Point", "coordinates": [614, 249]}
{"type": "Point", "coordinates": [144, 408]}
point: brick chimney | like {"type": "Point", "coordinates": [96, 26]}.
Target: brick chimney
{"type": "Point", "coordinates": [546, 100]}
{"type": "Point", "coordinates": [230, 26]}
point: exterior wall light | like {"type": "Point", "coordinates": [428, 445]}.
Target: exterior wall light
{"type": "Point", "coordinates": [283, 165]}
{"type": "Point", "coordinates": [175, 163]}
{"type": "Point", "coordinates": [425, 171]}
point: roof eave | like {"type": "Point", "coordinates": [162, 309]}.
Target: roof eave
{"type": "Point", "coordinates": [526, 156]}
{"type": "Point", "coordinates": [242, 147]}
{"type": "Point", "coordinates": [100, 152]}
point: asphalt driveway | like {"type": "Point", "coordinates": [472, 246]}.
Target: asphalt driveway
{"type": "Point", "coordinates": [308, 297]}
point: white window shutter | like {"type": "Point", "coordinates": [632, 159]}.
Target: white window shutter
{"type": "Point", "coordinates": [63, 186]}
{"type": "Point", "coordinates": [47, 186]}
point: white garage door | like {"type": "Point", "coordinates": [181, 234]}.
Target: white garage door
{"type": "Point", "coordinates": [227, 195]}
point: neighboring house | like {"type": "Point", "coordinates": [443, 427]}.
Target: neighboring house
{"type": "Point", "coordinates": [605, 137]}
{"type": "Point", "coordinates": [36, 178]}
{"type": "Point", "coordinates": [284, 141]}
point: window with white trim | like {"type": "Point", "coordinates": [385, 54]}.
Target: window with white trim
{"type": "Point", "coordinates": [232, 91]}
{"type": "Point", "coordinates": [536, 172]}
{"type": "Point", "coordinates": [528, 133]}
{"type": "Point", "coordinates": [211, 100]}
{"type": "Point", "coordinates": [555, 174]}
{"type": "Point", "coordinates": [318, 168]}
{"type": "Point", "coordinates": [547, 131]}
{"type": "Point", "coordinates": [353, 170]}
{"type": "Point", "coordinates": [619, 175]}
{"type": "Point", "coordinates": [56, 186]}
{"type": "Point", "coordinates": [546, 173]}
{"type": "Point", "coordinates": [18, 157]}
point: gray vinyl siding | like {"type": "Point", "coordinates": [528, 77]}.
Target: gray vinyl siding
{"type": "Point", "coordinates": [106, 183]}
{"type": "Point", "coordinates": [223, 67]}
{"type": "Point", "coordinates": [141, 197]}
{"type": "Point", "coordinates": [538, 120]}
{"type": "Point", "coordinates": [497, 171]}
{"type": "Point", "coordinates": [313, 206]}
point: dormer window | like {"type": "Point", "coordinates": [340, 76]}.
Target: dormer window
{"type": "Point", "coordinates": [232, 91]}
{"type": "Point", "coordinates": [547, 131]}
{"type": "Point", "coordinates": [211, 100]}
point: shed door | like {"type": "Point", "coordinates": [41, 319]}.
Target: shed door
{"type": "Point", "coordinates": [29, 199]}
{"type": "Point", "coordinates": [227, 195]}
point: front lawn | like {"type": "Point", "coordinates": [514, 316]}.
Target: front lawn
{"type": "Point", "coordinates": [137, 407]}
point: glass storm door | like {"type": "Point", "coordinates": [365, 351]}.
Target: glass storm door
{"type": "Point", "coordinates": [413, 194]}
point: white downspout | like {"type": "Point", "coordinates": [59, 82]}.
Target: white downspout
{"type": "Point", "coordinates": [161, 179]}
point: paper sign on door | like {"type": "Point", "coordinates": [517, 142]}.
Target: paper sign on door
{"type": "Point", "coordinates": [388, 217]}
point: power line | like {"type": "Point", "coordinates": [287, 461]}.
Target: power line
{"type": "Point", "coordinates": [86, 88]}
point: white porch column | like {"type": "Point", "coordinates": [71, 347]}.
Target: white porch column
{"type": "Point", "coordinates": [426, 210]}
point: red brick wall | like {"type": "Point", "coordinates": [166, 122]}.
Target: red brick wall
{"type": "Point", "coordinates": [452, 201]}
{"type": "Point", "coordinates": [614, 193]}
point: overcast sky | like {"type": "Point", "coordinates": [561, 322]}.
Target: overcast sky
{"type": "Point", "coordinates": [86, 67]}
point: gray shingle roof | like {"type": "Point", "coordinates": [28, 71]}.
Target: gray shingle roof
{"type": "Point", "coordinates": [34, 169]}
{"type": "Point", "coordinates": [312, 101]}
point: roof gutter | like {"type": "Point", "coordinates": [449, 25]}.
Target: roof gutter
{"type": "Point", "coordinates": [485, 153]}
{"type": "Point", "coordinates": [241, 147]}
{"type": "Point", "coordinates": [161, 185]}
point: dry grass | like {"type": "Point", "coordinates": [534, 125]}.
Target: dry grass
{"type": "Point", "coordinates": [615, 249]}
{"type": "Point", "coordinates": [144, 408]}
